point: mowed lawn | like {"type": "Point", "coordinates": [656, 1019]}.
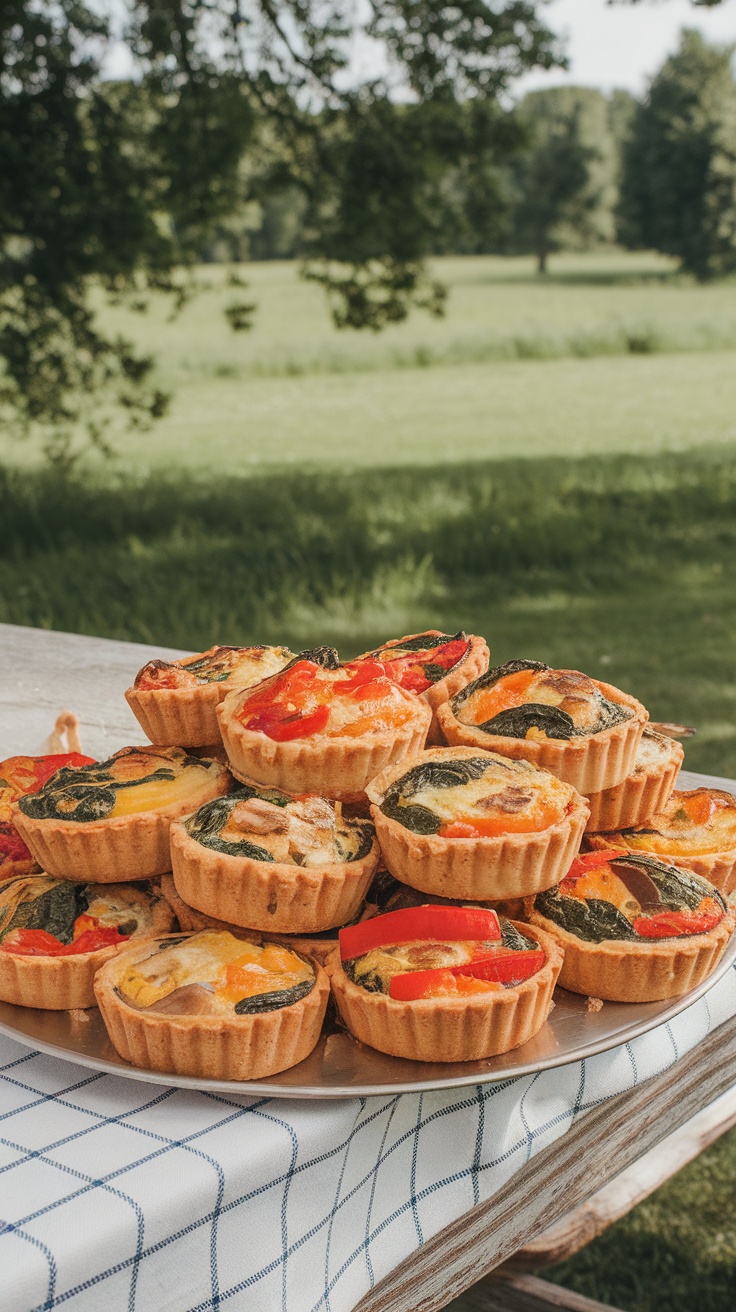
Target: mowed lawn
{"type": "Point", "coordinates": [611, 352]}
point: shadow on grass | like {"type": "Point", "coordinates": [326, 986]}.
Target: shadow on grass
{"type": "Point", "coordinates": [622, 566]}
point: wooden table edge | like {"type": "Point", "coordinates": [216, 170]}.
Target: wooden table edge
{"type": "Point", "coordinates": [602, 1143]}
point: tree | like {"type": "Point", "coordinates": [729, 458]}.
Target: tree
{"type": "Point", "coordinates": [678, 190]}
{"type": "Point", "coordinates": [565, 179]}
{"type": "Point", "coordinates": [124, 184]}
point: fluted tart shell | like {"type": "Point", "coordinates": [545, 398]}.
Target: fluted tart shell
{"type": "Point", "coordinates": [186, 717]}
{"type": "Point", "coordinates": [644, 792]}
{"type": "Point", "coordinates": [590, 762]}
{"type": "Point", "coordinates": [247, 1047]}
{"type": "Point", "coordinates": [113, 850]}
{"type": "Point", "coordinates": [620, 971]}
{"type": "Point", "coordinates": [471, 1028]}
{"type": "Point", "coordinates": [334, 767]}
{"type": "Point", "coordinates": [719, 868]}
{"type": "Point", "coordinates": [65, 983]}
{"type": "Point", "coordinates": [492, 869]}
{"type": "Point", "coordinates": [268, 895]}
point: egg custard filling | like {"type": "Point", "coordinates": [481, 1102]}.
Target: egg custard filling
{"type": "Point", "coordinates": [41, 916]}
{"type": "Point", "coordinates": [20, 775]}
{"type": "Point", "coordinates": [618, 895]}
{"type": "Point", "coordinates": [332, 700]}
{"type": "Point", "coordinates": [527, 699]}
{"type": "Point", "coordinates": [213, 973]}
{"type": "Point", "coordinates": [267, 825]}
{"type": "Point", "coordinates": [243, 666]}
{"type": "Point", "coordinates": [476, 797]}
{"type": "Point", "coordinates": [133, 780]}
{"type": "Point", "coordinates": [433, 951]}
{"type": "Point", "coordinates": [418, 662]}
{"type": "Point", "coordinates": [696, 823]}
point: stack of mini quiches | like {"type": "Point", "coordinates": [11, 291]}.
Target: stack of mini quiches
{"type": "Point", "coordinates": [82, 842]}
{"type": "Point", "coordinates": [475, 788]}
{"type": "Point", "coordinates": [633, 927]}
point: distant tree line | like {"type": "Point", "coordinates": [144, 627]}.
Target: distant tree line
{"type": "Point", "coordinates": [587, 170]}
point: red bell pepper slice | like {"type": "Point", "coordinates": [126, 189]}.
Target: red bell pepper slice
{"type": "Point", "coordinates": [12, 847]}
{"type": "Point", "coordinates": [675, 924]}
{"type": "Point", "coordinates": [282, 726]}
{"type": "Point", "coordinates": [590, 861]}
{"type": "Point", "coordinates": [38, 943]}
{"type": "Point", "coordinates": [419, 924]}
{"type": "Point", "coordinates": [499, 967]}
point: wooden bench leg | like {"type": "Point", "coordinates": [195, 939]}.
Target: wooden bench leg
{"type": "Point", "coordinates": [524, 1294]}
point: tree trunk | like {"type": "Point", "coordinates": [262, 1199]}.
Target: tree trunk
{"type": "Point", "coordinates": [542, 254]}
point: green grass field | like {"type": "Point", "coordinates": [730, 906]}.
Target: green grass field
{"type": "Point", "coordinates": [552, 465]}
{"type": "Point", "coordinates": [609, 353]}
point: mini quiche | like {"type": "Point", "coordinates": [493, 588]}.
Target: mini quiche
{"type": "Point", "coordinates": [645, 791]}
{"type": "Point", "coordinates": [110, 821]}
{"type": "Point", "coordinates": [696, 830]}
{"type": "Point", "coordinates": [20, 775]}
{"type": "Point", "coordinates": [321, 727]}
{"type": "Point", "coordinates": [633, 928]}
{"type": "Point", "coordinates": [433, 664]}
{"type": "Point", "coordinates": [175, 701]}
{"type": "Point", "coordinates": [212, 1005]}
{"type": "Point", "coordinates": [465, 823]}
{"type": "Point", "coordinates": [266, 860]}
{"type": "Point", "coordinates": [54, 935]}
{"type": "Point", "coordinates": [583, 731]}
{"type": "Point", "coordinates": [438, 983]}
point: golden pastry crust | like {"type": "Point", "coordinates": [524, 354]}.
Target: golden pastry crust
{"type": "Point", "coordinates": [268, 895]}
{"type": "Point", "coordinates": [186, 716]}
{"type": "Point", "coordinates": [718, 867]}
{"type": "Point", "coordinates": [454, 1029]}
{"type": "Point", "coordinates": [637, 972]}
{"type": "Point", "coordinates": [644, 792]}
{"type": "Point", "coordinates": [512, 865]}
{"type": "Point", "coordinates": [591, 763]}
{"type": "Point", "coordinates": [338, 768]}
{"type": "Point", "coordinates": [62, 983]}
{"type": "Point", "coordinates": [248, 1047]}
{"type": "Point", "coordinates": [117, 849]}
{"type": "Point", "coordinates": [318, 947]}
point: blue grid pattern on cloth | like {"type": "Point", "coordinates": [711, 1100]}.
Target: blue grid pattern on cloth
{"type": "Point", "coordinates": [136, 1197]}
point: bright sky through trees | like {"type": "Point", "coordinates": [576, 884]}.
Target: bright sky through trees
{"type": "Point", "coordinates": [623, 45]}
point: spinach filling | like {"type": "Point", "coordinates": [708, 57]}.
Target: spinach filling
{"type": "Point", "coordinates": [656, 886]}
{"type": "Point", "coordinates": [87, 793]}
{"type": "Point", "coordinates": [55, 910]}
{"type": "Point", "coordinates": [516, 721]}
{"type": "Point", "coordinates": [396, 802]}
{"type": "Point", "coordinates": [274, 1001]}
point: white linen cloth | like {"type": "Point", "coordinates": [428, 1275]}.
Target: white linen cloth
{"type": "Point", "coordinates": [133, 1197]}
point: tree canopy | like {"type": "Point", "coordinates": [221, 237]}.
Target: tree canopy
{"type": "Point", "coordinates": [121, 182]}
{"type": "Point", "coordinates": [678, 191]}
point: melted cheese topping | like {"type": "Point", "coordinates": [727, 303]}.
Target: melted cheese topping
{"type": "Point", "coordinates": [654, 751]}
{"type": "Point", "coordinates": [241, 666]}
{"type": "Point", "coordinates": [572, 692]}
{"type": "Point", "coordinates": [221, 967]}
{"type": "Point", "coordinates": [133, 780]}
{"type": "Point", "coordinates": [697, 823]}
{"type": "Point", "coordinates": [533, 802]}
{"type": "Point", "coordinates": [308, 701]}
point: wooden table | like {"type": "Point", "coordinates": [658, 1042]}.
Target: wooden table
{"type": "Point", "coordinates": [45, 672]}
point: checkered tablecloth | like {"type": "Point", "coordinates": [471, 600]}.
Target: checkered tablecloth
{"type": "Point", "coordinates": [140, 1198]}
